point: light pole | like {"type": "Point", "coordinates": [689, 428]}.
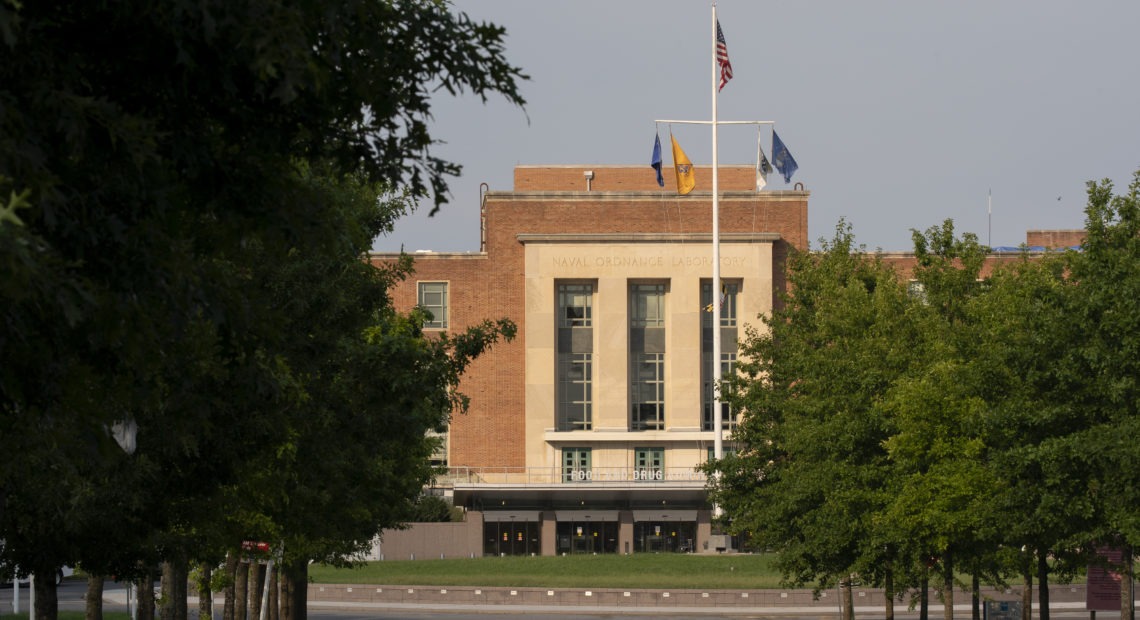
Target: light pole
{"type": "Point", "coordinates": [125, 432]}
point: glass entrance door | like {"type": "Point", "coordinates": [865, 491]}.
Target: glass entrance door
{"type": "Point", "coordinates": [587, 537]}
{"type": "Point", "coordinates": [664, 536]}
{"type": "Point", "coordinates": [511, 538]}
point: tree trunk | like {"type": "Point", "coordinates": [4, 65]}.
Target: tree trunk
{"type": "Point", "coordinates": [296, 577]}
{"type": "Point", "coordinates": [948, 585]}
{"type": "Point", "coordinates": [241, 591]}
{"type": "Point", "coordinates": [889, 594]}
{"type": "Point", "coordinates": [145, 595]}
{"type": "Point", "coordinates": [286, 596]}
{"type": "Point", "coordinates": [255, 587]}
{"type": "Point", "coordinates": [274, 592]}
{"type": "Point", "coordinates": [975, 598]}
{"type": "Point", "coordinates": [1027, 593]}
{"type": "Point", "coordinates": [228, 611]}
{"type": "Point", "coordinates": [848, 599]}
{"type": "Point", "coordinates": [1043, 585]}
{"type": "Point", "coordinates": [163, 603]}
{"type": "Point", "coordinates": [175, 574]}
{"type": "Point", "coordinates": [47, 605]}
{"type": "Point", "coordinates": [205, 592]}
{"type": "Point", "coordinates": [94, 598]}
{"type": "Point", "coordinates": [924, 595]}
{"type": "Point", "coordinates": [1128, 589]}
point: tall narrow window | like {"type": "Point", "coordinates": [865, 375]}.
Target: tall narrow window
{"type": "Point", "coordinates": [647, 357]}
{"type": "Point", "coordinates": [649, 463]}
{"type": "Point", "coordinates": [727, 325]}
{"type": "Point", "coordinates": [576, 465]}
{"type": "Point", "coordinates": [433, 298]}
{"type": "Point", "coordinates": [575, 356]}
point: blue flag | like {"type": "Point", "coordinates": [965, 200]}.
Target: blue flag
{"type": "Point", "coordinates": [782, 158]}
{"type": "Point", "coordinates": [656, 161]}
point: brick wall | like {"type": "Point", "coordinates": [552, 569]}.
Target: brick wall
{"type": "Point", "coordinates": [904, 263]}
{"type": "Point", "coordinates": [1055, 238]}
{"type": "Point", "coordinates": [485, 435]}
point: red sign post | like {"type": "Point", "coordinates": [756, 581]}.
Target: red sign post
{"type": "Point", "coordinates": [1103, 592]}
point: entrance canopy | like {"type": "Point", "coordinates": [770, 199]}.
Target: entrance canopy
{"type": "Point", "coordinates": [658, 496]}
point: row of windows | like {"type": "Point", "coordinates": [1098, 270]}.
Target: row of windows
{"type": "Point", "coordinates": [574, 363]}
{"type": "Point", "coordinates": [647, 354]}
{"type": "Point", "coordinates": [649, 464]}
{"type": "Point", "coordinates": [647, 307]}
{"type": "Point", "coordinates": [575, 303]}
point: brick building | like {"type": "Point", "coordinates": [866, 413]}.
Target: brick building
{"type": "Point", "coordinates": [584, 433]}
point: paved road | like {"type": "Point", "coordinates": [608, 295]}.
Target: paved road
{"type": "Point", "coordinates": [70, 594]}
{"type": "Point", "coordinates": [771, 613]}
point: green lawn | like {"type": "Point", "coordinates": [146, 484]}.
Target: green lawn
{"type": "Point", "coordinates": [643, 570]}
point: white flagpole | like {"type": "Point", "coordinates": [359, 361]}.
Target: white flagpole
{"type": "Point", "coordinates": [718, 425]}
{"type": "Point", "coordinates": [718, 440]}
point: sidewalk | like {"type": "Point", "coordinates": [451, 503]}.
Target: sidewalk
{"type": "Point", "coordinates": [765, 603]}
{"type": "Point", "coordinates": [1064, 600]}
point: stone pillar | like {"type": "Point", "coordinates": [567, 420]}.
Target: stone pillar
{"type": "Point", "coordinates": [704, 530]}
{"type": "Point", "coordinates": [625, 532]}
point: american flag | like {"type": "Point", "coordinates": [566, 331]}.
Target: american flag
{"type": "Point", "coordinates": [722, 57]}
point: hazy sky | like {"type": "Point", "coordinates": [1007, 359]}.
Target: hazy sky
{"type": "Point", "coordinates": [900, 113]}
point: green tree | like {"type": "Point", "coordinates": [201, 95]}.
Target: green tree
{"type": "Point", "coordinates": [937, 512]}
{"type": "Point", "coordinates": [1102, 365]}
{"type": "Point", "coordinates": [368, 387]}
{"type": "Point", "coordinates": [1106, 282]}
{"type": "Point", "coordinates": [431, 509]}
{"type": "Point", "coordinates": [941, 512]}
{"type": "Point", "coordinates": [154, 159]}
{"type": "Point", "coordinates": [1002, 424]}
{"type": "Point", "coordinates": [813, 469]}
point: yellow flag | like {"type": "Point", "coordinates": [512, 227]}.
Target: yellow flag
{"type": "Point", "coordinates": [686, 177]}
